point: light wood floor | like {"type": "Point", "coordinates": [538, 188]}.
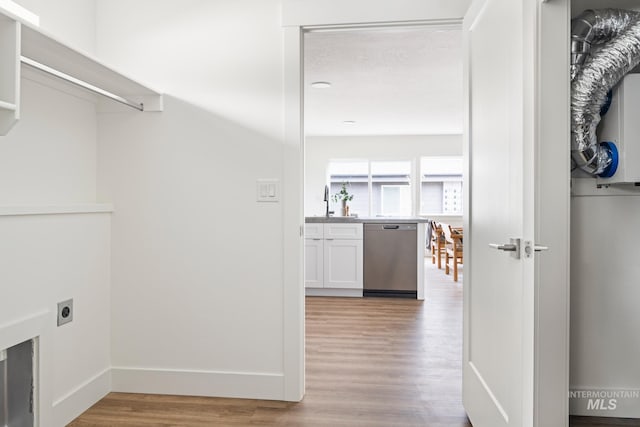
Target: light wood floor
{"type": "Point", "coordinates": [370, 362]}
{"type": "Point", "coordinates": [603, 422]}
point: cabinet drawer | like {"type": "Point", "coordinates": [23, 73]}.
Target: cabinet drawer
{"type": "Point", "coordinates": [314, 230]}
{"type": "Point", "coordinates": [343, 231]}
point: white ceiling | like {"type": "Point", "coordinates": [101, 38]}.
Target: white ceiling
{"type": "Point", "coordinates": [401, 81]}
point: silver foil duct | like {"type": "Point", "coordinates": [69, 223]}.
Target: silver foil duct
{"type": "Point", "coordinates": [594, 27]}
{"type": "Point", "coordinates": [616, 33]}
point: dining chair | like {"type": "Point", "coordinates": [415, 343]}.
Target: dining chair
{"type": "Point", "coordinates": [453, 249]}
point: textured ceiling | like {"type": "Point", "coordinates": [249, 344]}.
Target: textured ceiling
{"type": "Point", "coordinates": [402, 81]}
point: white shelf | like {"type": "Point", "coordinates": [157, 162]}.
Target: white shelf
{"type": "Point", "coordinates": [9, 73]}
{"type": "Point", "coordinates": [56, 209]}
{"type": "Point", "coordinates": [39, 46]}
{"type": "Point", "coordinates": [46, 49]}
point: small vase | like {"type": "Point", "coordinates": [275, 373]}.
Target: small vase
{"type": "Point", "coordinates": [345, 208]}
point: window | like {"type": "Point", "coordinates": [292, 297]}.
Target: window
{"type": "Point", "coordinates": [391, 188]}
{"type": "Point", "coordinates": [395, 199]}
{"type": "Point", "coordinates": [378, 187]}
{"type": "Point", "coordinates": [441, 185]}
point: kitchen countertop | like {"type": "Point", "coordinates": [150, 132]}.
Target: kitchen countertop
{"type": "Point", "coordinates": [353, 219]}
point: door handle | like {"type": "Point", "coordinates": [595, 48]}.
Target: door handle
{"type": "Point", "coordinates": [513, 247]}
{"type": "Point", "coordinates": [506, 247]}
{"type": "Point", "coordinates": [530, 248]}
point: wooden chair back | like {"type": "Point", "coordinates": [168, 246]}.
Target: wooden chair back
{"type": "Point", "coordinates": [437, 243]}
{"type": "Point", "coordinates": [453, 250]}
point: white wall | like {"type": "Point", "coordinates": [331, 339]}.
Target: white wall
{"type": "Point", "coordinates": [49, 158]}
{"type": "Point", "coordinates": [604, 277]}
{"type": "Point", "coordinates": [604, 299]}
{"type": "Point", "coordinates": [222, 56]}
{"type": "Point", "coordinates": [319, 150]}
{"type": "Point", "coordinates": [45, 259]}
{"type": "Point", "coordinates": [197, 262]}
{"type": "Point", "coordinates": [70, 21]}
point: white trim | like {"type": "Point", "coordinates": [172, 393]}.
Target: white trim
{"type": "Point", "coordinates": [293, 219]}
{"type": "Point", "coordinates": [333, 292]}
{"type": "Point", "coordinates": [422, 245]}
{"type": "Point", "coordinates": [553, 214]}
{"type": "Point", "coordinates": [38, 327]}
{"type": "Point", "coordinates": [55, 209]}
{"type": "Point", "coordinates": [355, 12]}
{"type": "Point", "coordinates": [247, 385]}
{"type": "Point", "coordinates": [297, 16]}
{"type": "Point", "coordinates": [19, 13]}
{"type": "Point", "coordinates": [74, 403]}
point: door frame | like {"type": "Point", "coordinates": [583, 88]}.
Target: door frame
{"type": "Point", "coordinates": [552, 215]}
{"type": "Point", "coordinates": [299, 16]}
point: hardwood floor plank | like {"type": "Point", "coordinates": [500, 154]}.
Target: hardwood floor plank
{"type": "Point", "coordinates": [370, 362]}
{"type": "Point", "coordinates": [603, 422]}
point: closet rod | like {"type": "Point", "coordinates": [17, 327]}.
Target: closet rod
{"type": "Point", "coordinates": [59, 74]}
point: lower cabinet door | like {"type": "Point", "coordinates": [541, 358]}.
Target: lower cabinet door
{"type": "Point", "coordinates": [343, 263]}
{"type": "Point", "coordinates": [313, 263]}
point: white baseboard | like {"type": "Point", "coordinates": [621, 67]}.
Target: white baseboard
{"type": "Point", "coordinates": [199, 383]}
{"type": "Point", "coordinates": [81, 398]}
{"type": "Point", "coordinates": [333, 292]}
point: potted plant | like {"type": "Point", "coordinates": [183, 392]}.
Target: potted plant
{"type": "Point", "coordinates": [343, 196]}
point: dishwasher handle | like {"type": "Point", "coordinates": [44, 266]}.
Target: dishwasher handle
{"type": "Point", "coordinates": [390, 227]}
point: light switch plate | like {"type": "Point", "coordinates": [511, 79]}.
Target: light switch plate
{"type": "Point", "coordinates": [268, 190]}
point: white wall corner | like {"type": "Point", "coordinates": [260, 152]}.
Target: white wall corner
{"type": "Point", "coordinates": [74, 403]}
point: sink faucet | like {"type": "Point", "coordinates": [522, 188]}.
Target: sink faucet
{"type": "Point", "coordinates": [326, 200]}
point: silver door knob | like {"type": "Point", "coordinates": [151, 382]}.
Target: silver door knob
{"type": "Point", "coordinates": [509, 247]}
{"type": "Point", "coordinates": [513, 246]}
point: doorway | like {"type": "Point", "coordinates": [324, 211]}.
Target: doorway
{"type": "Point", "coordinates": [385, 99]}
{"type": "Point", "coordinates": [298, 17]}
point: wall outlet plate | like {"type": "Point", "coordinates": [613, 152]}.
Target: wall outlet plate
{"type": "Point", "coordinates": [65, 312]}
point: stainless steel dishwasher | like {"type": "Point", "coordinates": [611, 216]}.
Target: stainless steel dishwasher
{"type": "Point", "coordinates": [390, 259]}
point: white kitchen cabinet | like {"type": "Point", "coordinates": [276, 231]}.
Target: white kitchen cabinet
{"type": "Point", "coordinates": [343, 263]}
{"type": "Point", "coordinates": [333, 259]}
{"type": "Point", "coordinates": [314, 262]}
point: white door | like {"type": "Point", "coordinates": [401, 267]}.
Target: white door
{"type": "Point", "coordinates": [498, 376]}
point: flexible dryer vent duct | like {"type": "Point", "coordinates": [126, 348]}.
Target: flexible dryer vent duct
{"type": "Point", "coordinates": [605, 45]}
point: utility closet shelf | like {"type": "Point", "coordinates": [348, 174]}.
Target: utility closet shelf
{"type": "Point", "coordinates": [47, 50]}
{"type": "Point", "coordinates": [56, 209]}
{"type": "Point", "coordinates": [24, 44]}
